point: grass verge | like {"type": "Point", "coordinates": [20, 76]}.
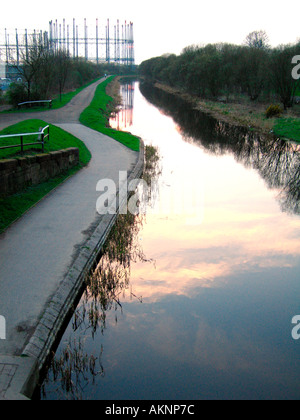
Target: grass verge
{"type": "Point", "coordinates": [59, 139]}
{"type": "Point", "coordinates": [14, 206]}
{"type": "Point", "coordinates": [97, 114]}
{"type": "Point", "coordinates": [288, 128]}
{"type": "Point", "coordinates": [57, 102]}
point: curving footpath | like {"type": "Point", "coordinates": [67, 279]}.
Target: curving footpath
{"type": "Point", "coordinates": [44, 255]}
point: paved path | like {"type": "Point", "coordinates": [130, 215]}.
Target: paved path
{"type": "Point", "coordinates": [37, 251]}
{"type": "Point", "coordinates": [70, 113]}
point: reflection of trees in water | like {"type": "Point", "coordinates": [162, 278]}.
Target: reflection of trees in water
{"type": "Point", "coordinates": [290, 196]}
{"type": "Point", "coordinates": [276, 160]}
{"type": "Point", "coordinates": [111, 278]}
{"type": "Point", "coordinates": [74, 368]}
{"type": "Point", "coordinates": [123, 119]}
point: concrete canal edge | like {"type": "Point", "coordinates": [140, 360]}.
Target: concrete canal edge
{"type": "Point", "coordinates": [22, 373]}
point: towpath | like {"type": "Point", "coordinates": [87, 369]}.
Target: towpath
{"type": "Point", "coordinates": [69, 113]}
{"type": "Point", "coordinates": [38, 252]}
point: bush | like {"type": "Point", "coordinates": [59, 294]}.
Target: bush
{"type": "Point", "coordinates": [273, 111]}
{"type": "Point", "coordinates": [16, 94]}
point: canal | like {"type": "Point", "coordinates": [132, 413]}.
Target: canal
{"type": "Point", "coordinates": [201, 302]}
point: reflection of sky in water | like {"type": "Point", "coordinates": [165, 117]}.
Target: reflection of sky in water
{"type": "Point", "coordinates": [215, 321]}
{"type": "Point", "coordinates": [230, 342]}
{"type": "Point", "coordinates": [241, 229]}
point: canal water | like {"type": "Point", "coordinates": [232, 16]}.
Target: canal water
{"type": "Point", "coordinates": [202, 305]}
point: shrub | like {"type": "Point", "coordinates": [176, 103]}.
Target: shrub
{"type": "Point", "coordinates": [16, 94]}
{"type": "Point", "coordinates": [273, 111]}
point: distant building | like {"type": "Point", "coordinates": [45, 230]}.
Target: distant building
{"type": "Point", "coordinates": [13, 73]}
{"type": "Point", "coordinates": [4, 84]}
{"type": "Point", "coordinates": [9, 74]}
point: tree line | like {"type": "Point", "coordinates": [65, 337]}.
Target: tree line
{"type": "Point", "coordinates": [47, 72]}
{"type": "Point", "coordinates": [217, 70]}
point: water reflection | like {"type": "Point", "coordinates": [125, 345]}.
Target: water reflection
{"type": "Point", "coordinates": [215, 318]}
{"type": "Point", "coordinates": [75, 367]}
{"type": "Point", "coordinates": [277, 161]}
{"type": "Point", "coordinates": [124, 118]}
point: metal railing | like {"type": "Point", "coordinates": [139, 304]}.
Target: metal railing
{"type": "Point", "coordinates": [36, 102]}
{"type": "Point", "coordinates": [43, 134]}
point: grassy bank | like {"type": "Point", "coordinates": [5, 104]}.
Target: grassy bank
{"type": "Point", "coordinates": [246, 113]}
{"type": "Point", "coordinates": [97, 114]}
{"type": "Point", "coordinates": [57, 102]}
{"type": "Point", "coordinates": [288, 128]}
{"type": "Point", "coordinates": [59, 139]}
{"type": "Point", "coordinates": [13, 207]}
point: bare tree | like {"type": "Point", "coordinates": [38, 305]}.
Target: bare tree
{"type": "Point", "coordinates": [62, 63]}
{"type": "Point", "coordinates": [258, 40]}
{"type": "Point", "coordinates": [256, 57]}
{"type": "Point", "coordinates": [45, 76]}
{"type": "Point", "coordinates": [32, 62]}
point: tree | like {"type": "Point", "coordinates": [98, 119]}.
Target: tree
{"type": "Point", "coordinates": [62, 63]}
{"type": "Point", "coordinates": [32, 62]}
{"type": "Point", "coordinates": [256, 70]}
{"type": "Point", "coordinates": [45, 75]}
{"type": "Point", "coordinates": [283, 82]}
{"type": "Point", "coordinates": [251, 69]}
{"type": "Point", "coordinates": [258, 40]}
{"type": "Point", "coordinates": [256, 62]}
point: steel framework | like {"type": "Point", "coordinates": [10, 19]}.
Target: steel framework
{"type": "Point", "coordinates": [101, 45]}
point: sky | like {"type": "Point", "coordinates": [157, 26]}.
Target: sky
{"type": "Point", "coordinates": [166, 26]}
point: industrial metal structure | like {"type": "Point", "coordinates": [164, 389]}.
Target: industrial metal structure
{"type": "Point", "coordinates": [101, 44]}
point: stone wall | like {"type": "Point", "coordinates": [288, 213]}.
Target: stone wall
{"type": "Point", "coordinates": [18, 174]}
